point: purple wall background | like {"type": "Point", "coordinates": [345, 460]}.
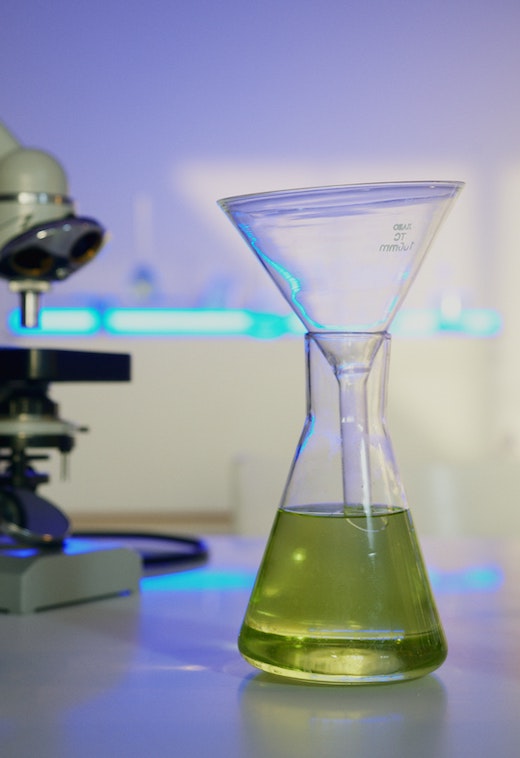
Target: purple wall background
{"type": "Point", "coordinates": [157, 109]}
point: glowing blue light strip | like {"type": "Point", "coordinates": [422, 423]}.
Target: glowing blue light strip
{"type": "Point", "coordinates": [181, 321]}
{"type": "Point", "coordinates": [60, 321]}
{"type": "Point", "coordinates": [200, 579]}
{"type": "Point", "coordinates": [477, 322]}
{"type": "Point", "coordinates": [473, 322]}
{"type": "Point", "coordinates": [478, 578]}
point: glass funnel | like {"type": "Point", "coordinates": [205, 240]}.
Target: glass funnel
{"type": "Point", "coordinates": [342, 594]}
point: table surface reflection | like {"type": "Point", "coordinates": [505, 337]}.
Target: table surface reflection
{"type": "Point", "coordinates": [159, 674]}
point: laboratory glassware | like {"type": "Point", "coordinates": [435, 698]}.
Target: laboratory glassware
{"type": "Point", "coordinates": [342, 594]}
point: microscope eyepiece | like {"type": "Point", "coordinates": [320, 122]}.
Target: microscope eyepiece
{"type": "Point", "coordinates": [32, 262]}
{"type": "Point", "coordinates": [86, 247]}
{"type": "Point", "coordinates": [51, 251]}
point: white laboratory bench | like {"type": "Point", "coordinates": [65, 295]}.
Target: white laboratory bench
{"type": "Point", "coordinates": [158, 673]}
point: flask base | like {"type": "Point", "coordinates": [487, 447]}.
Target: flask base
{"type": "Point", "coordinates": [348, 661]}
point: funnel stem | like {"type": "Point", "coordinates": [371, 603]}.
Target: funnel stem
{"type": "Point", "coordinates": [355, 452]}
{"type": "Point", "coordinates": [351, 356]}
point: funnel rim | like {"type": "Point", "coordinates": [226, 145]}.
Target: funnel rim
{"type": "Point", "coordinates": [355, 333]}
{"type": "Point", "coordinates": [342, 191]}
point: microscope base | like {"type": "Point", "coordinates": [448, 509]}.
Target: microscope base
{"type": "Point", "coordinates": [34, 580]}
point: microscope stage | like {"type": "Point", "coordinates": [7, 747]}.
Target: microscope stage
{"type": "Point", "coordinates": [53, 365]}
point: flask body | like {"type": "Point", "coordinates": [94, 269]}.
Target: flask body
{"type": "Point", "coordinates": [342, 594]}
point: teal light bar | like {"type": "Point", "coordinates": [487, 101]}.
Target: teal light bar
{"type": "Point", "coordinates": [169, 321]}
{"type": "Point", "coordinates": [163, 322]}
{"type": "Point", "coordinates": [60, 322]}
{"type": "Point", "coordinates": [472, 322]}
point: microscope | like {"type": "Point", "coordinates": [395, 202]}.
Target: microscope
{"type": "Point", "coordinates": [43, 241]}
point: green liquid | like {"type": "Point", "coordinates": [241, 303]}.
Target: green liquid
{"type": "Point", "coordinates": [342, 597]}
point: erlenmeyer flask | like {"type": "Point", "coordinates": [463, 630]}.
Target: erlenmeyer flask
{"type": "Point", "coordinates": [342, 594]}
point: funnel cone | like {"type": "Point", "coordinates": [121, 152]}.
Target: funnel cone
{"type": "Point", "coordinates": [343, 257]}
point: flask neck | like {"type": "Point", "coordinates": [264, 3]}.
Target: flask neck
{"type": "Point", "coordinates": [344, 437]}
{"type": "Point", "coordinates": [359, 363]}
